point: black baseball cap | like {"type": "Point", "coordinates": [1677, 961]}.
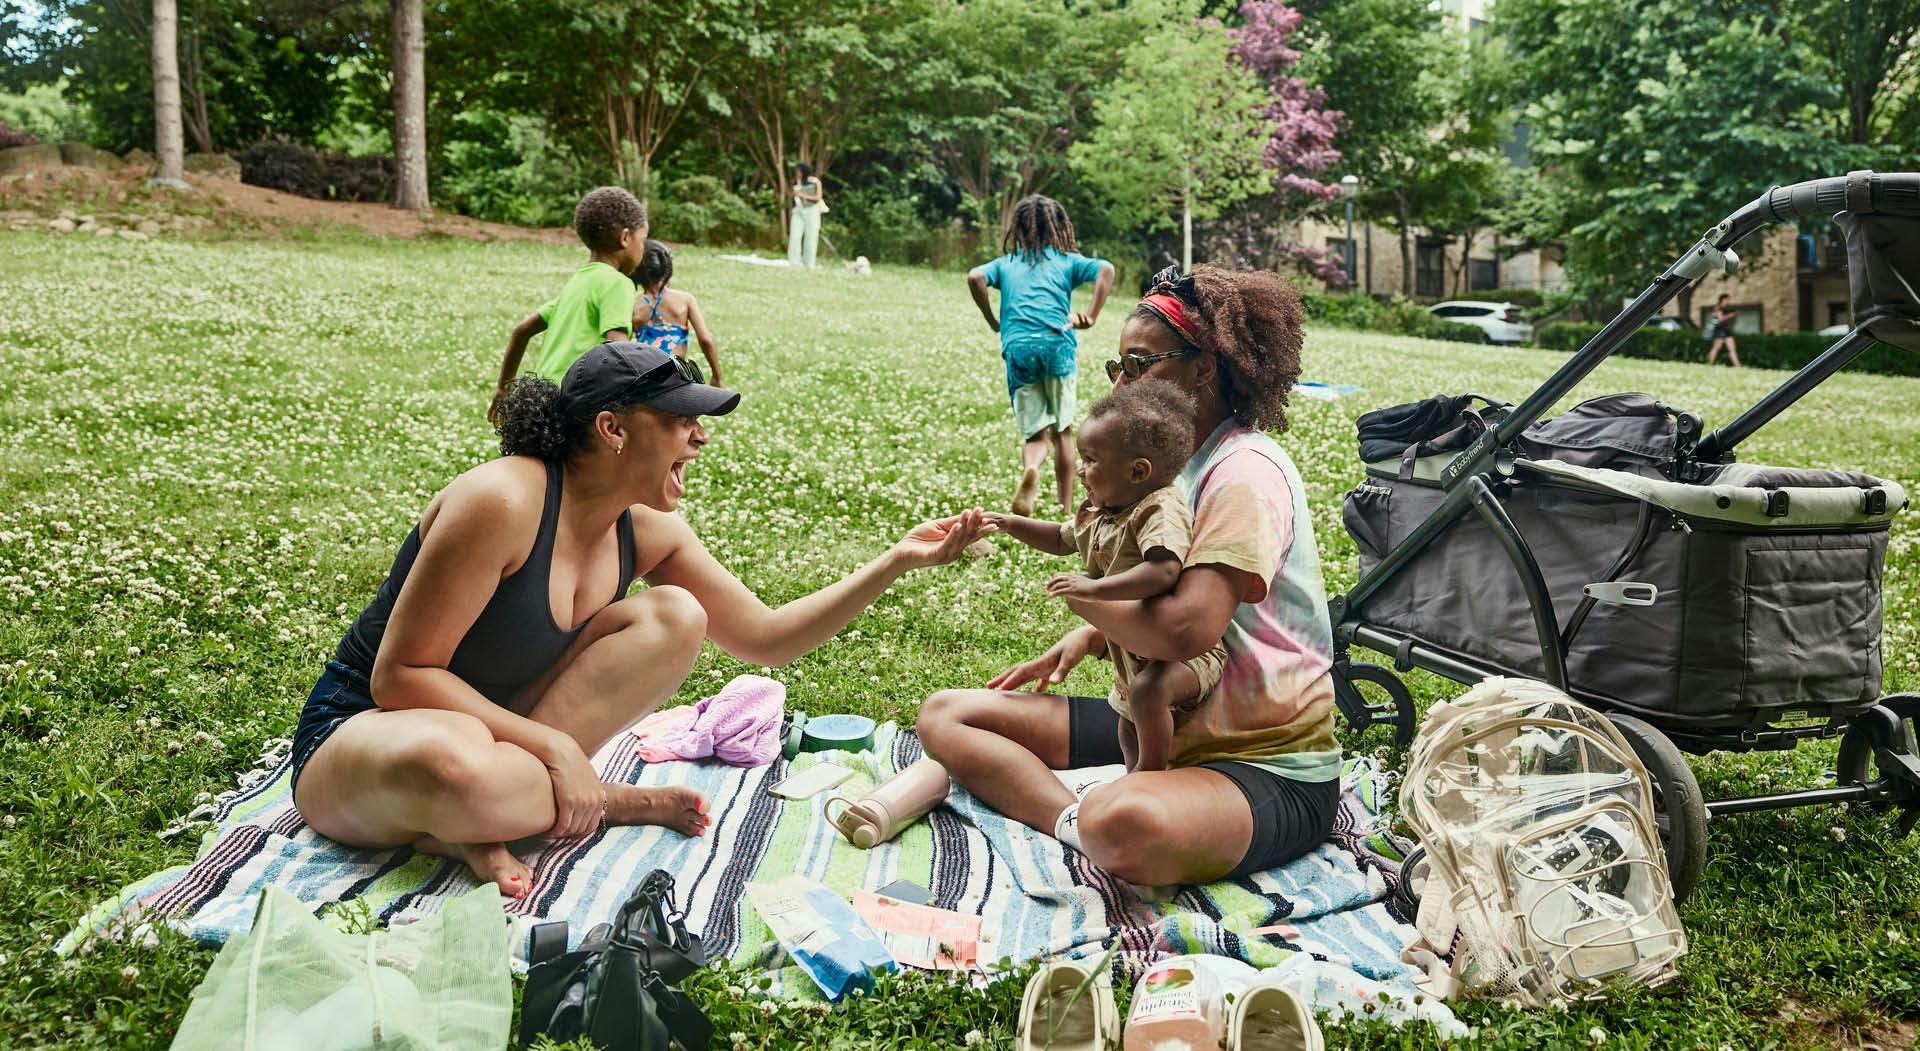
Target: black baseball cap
{"type": "Point", "coordinates": [616, 375]}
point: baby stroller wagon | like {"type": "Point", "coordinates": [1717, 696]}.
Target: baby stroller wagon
{"type": "Point", "coordinates": [1620, 554]}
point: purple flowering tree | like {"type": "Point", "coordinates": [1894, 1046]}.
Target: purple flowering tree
{"type": "Point", "coordinates": [1299, 149]}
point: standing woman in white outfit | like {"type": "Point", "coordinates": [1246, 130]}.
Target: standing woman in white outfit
{"type": "Point", "coordinates": [803, 233]}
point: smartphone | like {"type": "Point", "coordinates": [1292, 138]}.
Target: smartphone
{"type": "Point", "coordinates": [813, 780]}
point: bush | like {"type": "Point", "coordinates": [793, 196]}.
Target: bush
{"type": "Point", "coordinates": [46, 112]}
{"type": "Point", "coordinates": [1394, 316]}
{"type": "Point", "coordinates": [278, 164]}
{"type": "Point", "coordinates": [700, 209]}
{"type": "Point", "coordinates": [887, 227]}
{"type": "Point", "coordinates": [1775, 350]}
{"type": "Point", "coordinates": [9, 137]}
{"type": "Point", "coordinates": [1456, 331]}
{"type": "Point", "coordinates": [509, 169]}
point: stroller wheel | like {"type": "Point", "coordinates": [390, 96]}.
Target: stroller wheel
{"type": "Point", "coordinates": [1678, 809]}
{"type": "Point", "coordinates": [1883, 724]}
{"type": "Point", "coordinates": [1363, 708]}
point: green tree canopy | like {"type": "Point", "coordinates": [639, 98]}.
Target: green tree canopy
{"type": "Point", "coordinates": [997, 90]}
{"type": "Point", "coordinates": [1182, 131]}
{"type": "Point", "coordinates": [247, 70]}
{"type": "Point", "coordinates": [1651, 121]}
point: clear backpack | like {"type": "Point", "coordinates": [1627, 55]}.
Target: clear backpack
{"type": "Point", "coordinates": [1547, 875]}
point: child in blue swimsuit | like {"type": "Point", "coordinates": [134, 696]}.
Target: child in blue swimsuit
{"type": "Point", "coordinates": [664, 318]}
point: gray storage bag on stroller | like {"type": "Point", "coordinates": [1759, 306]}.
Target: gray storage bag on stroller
{"type": "Point", "coordinates": [1717, 607]}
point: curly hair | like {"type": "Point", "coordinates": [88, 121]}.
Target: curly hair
{"type": "Point", "coordinates": [656, 265]}
{"type": "Point", "coordinates": [537, 421]}
{"type": "Point", "coordinates": [1251, 322]}
{"type": "Point", "coordinates": [1039, 223]}
{"type": "Point", "coordinates": [603, 213]}
{"type": "Point", "coordinates": [1153, 420]}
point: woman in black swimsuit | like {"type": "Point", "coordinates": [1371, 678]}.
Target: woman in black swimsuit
{"type": "Point", "coordinates": [459, 712]}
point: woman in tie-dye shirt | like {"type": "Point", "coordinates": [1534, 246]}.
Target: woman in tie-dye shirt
{"type": "Point", "coordinates": [1255, 775]}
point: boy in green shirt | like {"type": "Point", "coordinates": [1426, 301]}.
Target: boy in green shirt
{"type": "Point", "coordinates": [596, 304]}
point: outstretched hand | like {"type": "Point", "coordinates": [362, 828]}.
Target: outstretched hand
{"type": "Point", "coordinates": [940, 541]}
{"type": "Point", "coordinates": [1051, 668]}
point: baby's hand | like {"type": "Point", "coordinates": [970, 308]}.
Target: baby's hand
{"type": "Point", "coordinates": [1070, 585]}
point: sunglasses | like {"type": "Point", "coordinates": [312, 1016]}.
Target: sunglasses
{"type": "Point", "coordinates": [655, 378]}
{"type": "Point", "coordinates": [1133, 365]}
{"type": "Point", "coordinates": [685, 368]}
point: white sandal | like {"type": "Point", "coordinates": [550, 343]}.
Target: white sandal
{"type": "Point", "coordinates": [1068, 1007]}
{"type": "Point", "coordinates": [1272, 1017]}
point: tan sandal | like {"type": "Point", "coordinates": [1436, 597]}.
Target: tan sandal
{"type": "Point", "coordinates": [1272, 1017]}
{"type": "Point", "coordinates": [1068, 1007]}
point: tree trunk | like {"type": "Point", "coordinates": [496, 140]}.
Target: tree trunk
{"type": "Point", "coordinates": [198, 121]}
{"type": "Point", "coordinates": [1186, 225]}
{"type": "Point", "coordinates": [409, 107]}
{"type": "Point", "coordinates": [1461, 282]}
{"type": "Point", "coordinates": [1406, 246]}
{"type": "Point", "coordinates": [168, 147]}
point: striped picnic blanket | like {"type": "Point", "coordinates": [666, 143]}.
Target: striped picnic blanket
{"type": "Point", "coordinates": [1034, 896]}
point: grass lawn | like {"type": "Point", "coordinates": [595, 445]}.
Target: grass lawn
{"type": "Point", "coordinates": [210, 451]}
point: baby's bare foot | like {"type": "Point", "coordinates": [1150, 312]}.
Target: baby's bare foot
{"type": "Point", "coordinates": [490, 862]}
{"type": "Point", "coordinates": [681, 809]}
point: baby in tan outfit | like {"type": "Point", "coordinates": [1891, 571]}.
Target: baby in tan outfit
{"type": "Point", "coordinates": [1133, 533]}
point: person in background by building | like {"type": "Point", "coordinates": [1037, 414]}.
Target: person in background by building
{"type": "Point", "coordinates": [1036, 278]}
{"type": "Point", "coordinates": [1722, 332]}
{"type": "Point", "coordinates": [803, 232]}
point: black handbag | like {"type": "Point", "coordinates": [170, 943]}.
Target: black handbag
{"type": "Point", "coordinates": [617, 988]}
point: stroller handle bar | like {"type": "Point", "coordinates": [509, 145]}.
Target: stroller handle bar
{"type": "Point", "coordinates": [1861, 191]}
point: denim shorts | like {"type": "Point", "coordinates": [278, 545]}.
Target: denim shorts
{"type": "Point", "coordinates": [1290, 817]}
{"type": "Point", "coordinates": [341, 694]}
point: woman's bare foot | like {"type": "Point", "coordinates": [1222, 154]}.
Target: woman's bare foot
{"type": "Point", "coordinates": [1029, 491]}
{"type": "Point", "coordinates": [681, 809]}
{"type": "Point", "coordinates": [490, 862]}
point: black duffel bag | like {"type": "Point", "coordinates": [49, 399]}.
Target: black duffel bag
{"type": "Point", "coordinates": [617, 988]}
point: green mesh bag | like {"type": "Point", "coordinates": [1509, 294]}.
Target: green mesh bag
{"type": "Point", "coordinates": [293, 983]}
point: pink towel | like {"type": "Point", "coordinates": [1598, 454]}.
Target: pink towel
{"type": "Point", "coordinates": [649, 732]}
{"type": "Point", "coordinates": [738, 725]}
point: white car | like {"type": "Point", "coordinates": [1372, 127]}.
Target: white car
{"type": "Point", "coordinates": [1501, 322]}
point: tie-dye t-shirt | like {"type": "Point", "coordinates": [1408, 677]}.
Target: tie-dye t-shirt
{"type": "Point", "coordinates": [1273, 707]}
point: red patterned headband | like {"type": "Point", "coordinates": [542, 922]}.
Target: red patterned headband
{"type": "Point", "coordinates": [1170, 310]}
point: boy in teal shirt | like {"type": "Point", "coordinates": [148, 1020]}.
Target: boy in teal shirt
{"type": "Point", "coordinates": [595, 306]}
{"type": "Point", "coordinates": [1036, 279]}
